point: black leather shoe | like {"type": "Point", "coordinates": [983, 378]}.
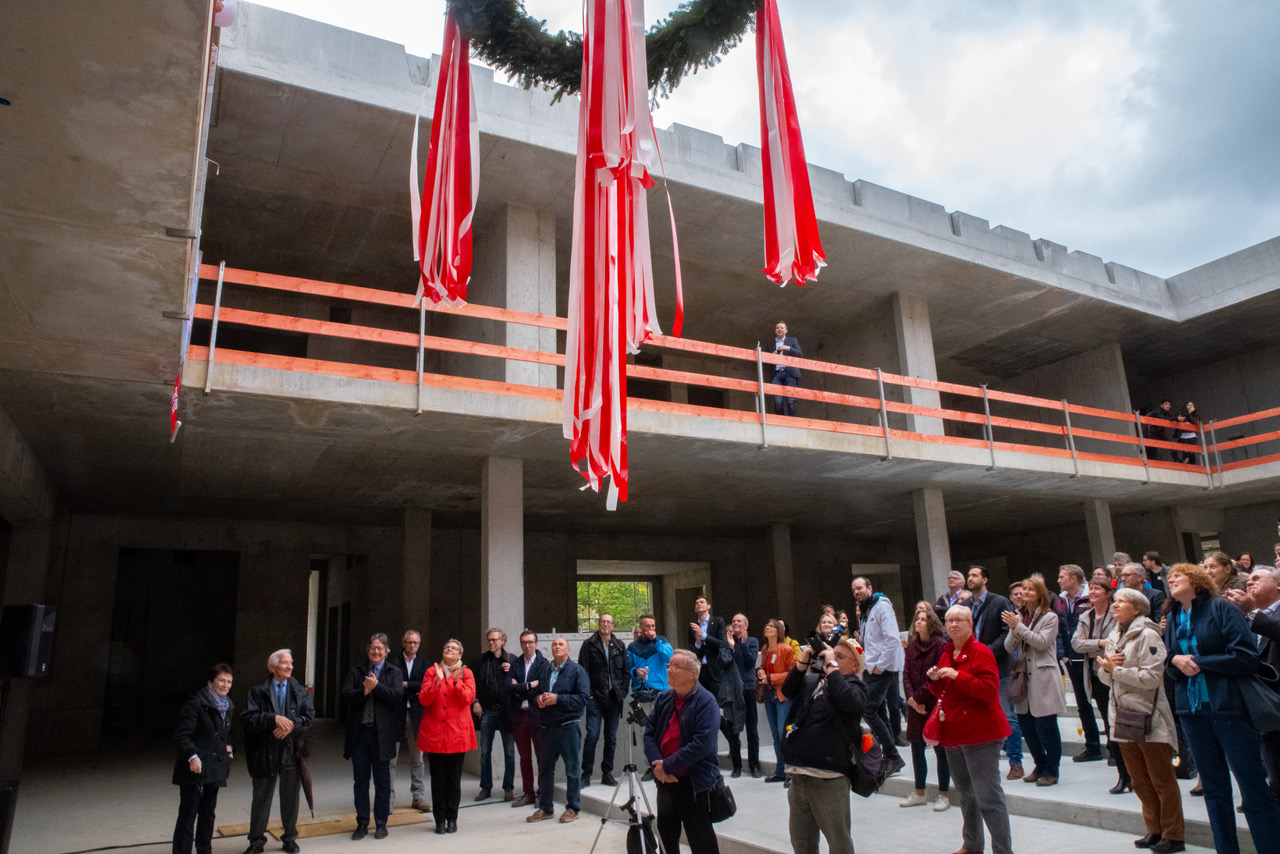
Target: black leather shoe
{"type": "Point", "coordinates": [755, 772]}
{"type": "Point", "coordinates": [774, 778]}
{"type": "Point", "coordinates": [359, 833]}
{"type": "Point", "coordinates": [442, 827]}
{"type": "Point", "coordinates": [737, 772]}
{"type": "Point", "coordinates": [380, 833]}
{"type": "Point", "coordinates": [608, 780]}
{"type": "Point", "coordinates": [1146, 841]}
{"type": "Point", "coordinates": [253, 849]}
{"type": "Point", "coordinates": [453, 826]}
{"type": "Point", "coordinates": [290, 848]}
{"type": "Point", "coordinates": [1165, 846]}
{"type": "Point", "coordinates": [586, 781]}
{"type": "Point", "coordinates": [1122, 785]}
{"type": "Point", "coordinates": [1089, 754]}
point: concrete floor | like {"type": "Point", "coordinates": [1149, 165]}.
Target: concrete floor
{"type": "Point", "coordinates": [120, 799]}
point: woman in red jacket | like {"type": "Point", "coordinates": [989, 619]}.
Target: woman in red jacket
{"type": "Point", "coordinates": [969, 722]}
{"type": "Point", "coordinates": [446, 733]}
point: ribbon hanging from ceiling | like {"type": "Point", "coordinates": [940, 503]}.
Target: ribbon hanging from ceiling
{"type": "Point", "coordinates": [611, 304]}
{"type": "Point", "coordinates": [442, 238]}
{"type": "Point", "coordinates": [791, 244]}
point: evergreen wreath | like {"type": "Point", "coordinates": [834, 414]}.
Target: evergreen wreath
{"type": "Point", "coordinates": [694, 36]}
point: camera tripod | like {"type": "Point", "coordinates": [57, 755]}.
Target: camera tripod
{"type": "Point", "coordinates": [641, 838]}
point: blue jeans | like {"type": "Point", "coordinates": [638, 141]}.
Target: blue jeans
{"type": "Point", "coordinates": [609, 714]}
{"type": "Point", "coordinates": [1012, 744]}
{"type": "Point", "coordinates": [1045, 740]}
{"type": "Point", "coordinates": [560, 742]}
{"type": "Point", "coordinates": [776, 711]}
{"type": "Point", "coordinates": [1224, 746]}
{"type": "Point", "coordinates": [491, 720]}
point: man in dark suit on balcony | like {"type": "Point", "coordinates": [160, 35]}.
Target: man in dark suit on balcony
{"type": "Point", "coordinates": [785, 345]}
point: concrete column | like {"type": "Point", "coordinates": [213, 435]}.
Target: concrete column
{"type": "Point", "coordinates": [530, 285]}
{"type": "Point", "coordinates": [30, 551]}
{"type": "Point", "coordinates": [416, 592]}
{"type": "Point", "coordinates": [783, 571]}
{"type": "Point", "coordinates": [1102, 537]}
{"type": "Point", "coordinates": [502, 544]}
{"type": "Point", "coordinates": [915, 358]}
{"type": "Point", "coordinates": [932, 542]}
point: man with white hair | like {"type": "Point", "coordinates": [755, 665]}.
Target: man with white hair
{"type": "Point", "coordinates": [275, 715]}
{"type": "Point", "coordinates": [956, 594]}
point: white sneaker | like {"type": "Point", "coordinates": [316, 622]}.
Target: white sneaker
{"type": "Point", "coordinates": [942, 804]}
{"type": "Point", "coordinates": [915, 799]}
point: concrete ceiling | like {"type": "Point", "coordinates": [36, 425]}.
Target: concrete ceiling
{"type": "Point", "coordinates": [103, 124]}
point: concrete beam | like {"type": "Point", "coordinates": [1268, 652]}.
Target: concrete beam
{"type": "Point", "coordinates": [1102, 537]}
{"type": "Point", "coordinates": [502, 544]}
{"type": "Point", "coordinates": [26, 493]}
{"type": "Point", "coordinates": [915, 359]}
{"type": "Point", "coordinates": [932, 542]}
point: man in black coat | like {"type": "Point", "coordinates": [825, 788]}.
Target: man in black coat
{"type": "Point", "coordinates": [706, 639]}
{"type": "Point", "coordinates": [412, 666]}
{"type": "Point", "coordinates": [528, 678]}
{"type": "Point", "coordinates": [373, 695]}
{"type": "Point", "coordinates": [276, 714]}
{"type": "Point", "coordinates": [990, 630]}
{"type": "Point", "coordinates": [1261, 604]}
{"type": "Point", "coordinates": [604, 657]}
{"type": "Point", "coordinates": [784, 345]}
{"type": "Point", "coordinates": [490, 708]}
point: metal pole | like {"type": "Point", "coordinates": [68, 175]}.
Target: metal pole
{"type": "Point", "coordinates": [991, 436]}
{"type": "Point", "coordinates": [213, 331]}
{"type": "Point", "coordinates": [1216, 453]}
{"type": "Point", "coordinates": [884, 416]}
{"type": "Point", "coordinates": [422, 348]}
{"type": "Point", "coordinates": [1208, 467]}
{"type": "Point", "coordinates": [764, 435]}
{"type": "Point", "coordinates": [1071, 439]}
{"type": "Point", "coordinates": [1142, 445]}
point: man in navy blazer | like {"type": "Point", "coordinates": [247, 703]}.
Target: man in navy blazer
{"type": "Point", "coordinates": [412, 667]}
{"type": "Point", "coordinates": [560, 707]}
{"type": "Point", "coordinates": [681, 743]}
{"type": "Point", "coordinates": [785, 345]}
{"type": "Point", "coordinates": [529, 676]}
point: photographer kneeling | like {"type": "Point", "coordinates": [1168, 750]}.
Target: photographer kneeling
{"type": "Point", "coordinates": [826, 713]}
{"type": "Point", "coordinates": [681, 742]}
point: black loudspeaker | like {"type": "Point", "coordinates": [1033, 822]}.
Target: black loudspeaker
{"type": "Point", "coordinates": [26, 639]}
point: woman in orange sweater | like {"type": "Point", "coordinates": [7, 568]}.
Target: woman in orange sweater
{"type": "Point", "coordinates": [776, 660]}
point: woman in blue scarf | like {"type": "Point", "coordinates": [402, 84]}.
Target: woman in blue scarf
{"type": "Point", "coordinates": [1210, 649]}
{"type": "Point", "coordinates": [203, 744]}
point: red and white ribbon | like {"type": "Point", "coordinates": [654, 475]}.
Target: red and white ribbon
{"type": "Point", "coordinates": [791, 245]}
{"type": "Point", "coordinates": [611, 305]}
{"type": "Point", "coordinates": [442, 240]}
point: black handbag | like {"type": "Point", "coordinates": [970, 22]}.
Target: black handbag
{"type": "Point", "coordinates": [720, 802]}
{"type": "Point", "coordinates": [1261, 702]}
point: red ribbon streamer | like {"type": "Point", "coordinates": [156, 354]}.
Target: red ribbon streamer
{"type": "Point", "coordinates": [792, 247]}
{"type": "Point", "coordinates": [442, 245]}
{"type": "Point", "coordinates": [611, 305]}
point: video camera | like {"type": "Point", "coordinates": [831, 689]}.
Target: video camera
{"type": "Point", "coordinates": [818, 642]}
{"type": "Point", "coordinates": [638, 715]}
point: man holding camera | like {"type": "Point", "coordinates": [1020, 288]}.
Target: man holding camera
{"type": "Point", "coordinates": [885, 658]}
{"type": "Point", "coordinates": [826, 716]}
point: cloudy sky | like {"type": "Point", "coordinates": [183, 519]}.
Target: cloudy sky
{"type": "Point", "coordinates": [1144, 132]}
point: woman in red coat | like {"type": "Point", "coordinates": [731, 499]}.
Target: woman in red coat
{"type": "Point", "coordinates": [446, 733]}
{"type": "Point", "coordinates": [970, 724]}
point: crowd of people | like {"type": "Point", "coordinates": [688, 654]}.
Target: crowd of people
{"type": "Point", "coordinates": [1167, 655]}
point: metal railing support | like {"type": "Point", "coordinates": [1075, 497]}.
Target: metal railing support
{"type": "Point", "coordinates": [213, 330]}
{"type": "Point", "coordinates": [1071, 439]}
{"type": "Point", "coordinates": [1217, 455]}
{"type": "Point", "coordinates": [1142, 445]}
{"type": "Point", "coordinates": [1208, 466]}
{"type": "Point", "coordinates": [991, 434]}
{"type": "Point", "coordinates": [764, 435]}
{"type": "Point", "coordinates": [422, 348]}
{"type": "Point", "coordinates": [884, 416]}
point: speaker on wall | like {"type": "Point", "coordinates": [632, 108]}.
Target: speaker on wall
{"type": "Point", "coordinates": [26, 639]}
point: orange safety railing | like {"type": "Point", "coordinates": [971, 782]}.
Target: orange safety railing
{"type": "Point", "coordinates": [1028, 424]}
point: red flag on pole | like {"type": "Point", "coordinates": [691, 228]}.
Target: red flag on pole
{"type": "Point", "coordinates": [791, 245]}
{"type": "Point", "coordinates": [611, 305]}
{"type": "Point", "coordinates": [442, 239]}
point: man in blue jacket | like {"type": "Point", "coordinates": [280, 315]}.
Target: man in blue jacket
{"type": "Point", "coordinates": [560, 708]}
{"type": "Point", "coordinates": [681, 743]}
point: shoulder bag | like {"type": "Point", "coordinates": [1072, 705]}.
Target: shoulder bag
{"type": "Point", "coordinates": [720, 802]}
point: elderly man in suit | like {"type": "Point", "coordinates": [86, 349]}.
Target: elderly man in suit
{"type": "Point", "coordinates": [990, 630]}
{"type": "Point", "coordinates": [412, 666]}
{"type": "Point", "coordinates": [276, 714]}
{"type": "Point", "coordinates": [1261, 603]}
{"type": "Point", "coordinates": [373, 695]}
{"type": "Point", "coordinates": [784, 375]}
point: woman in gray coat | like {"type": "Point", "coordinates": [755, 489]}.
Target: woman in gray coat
{"type": "Point", "coordinates": [1133, 665]}
{"type": "Point", "coordinates": [1033, 637]}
